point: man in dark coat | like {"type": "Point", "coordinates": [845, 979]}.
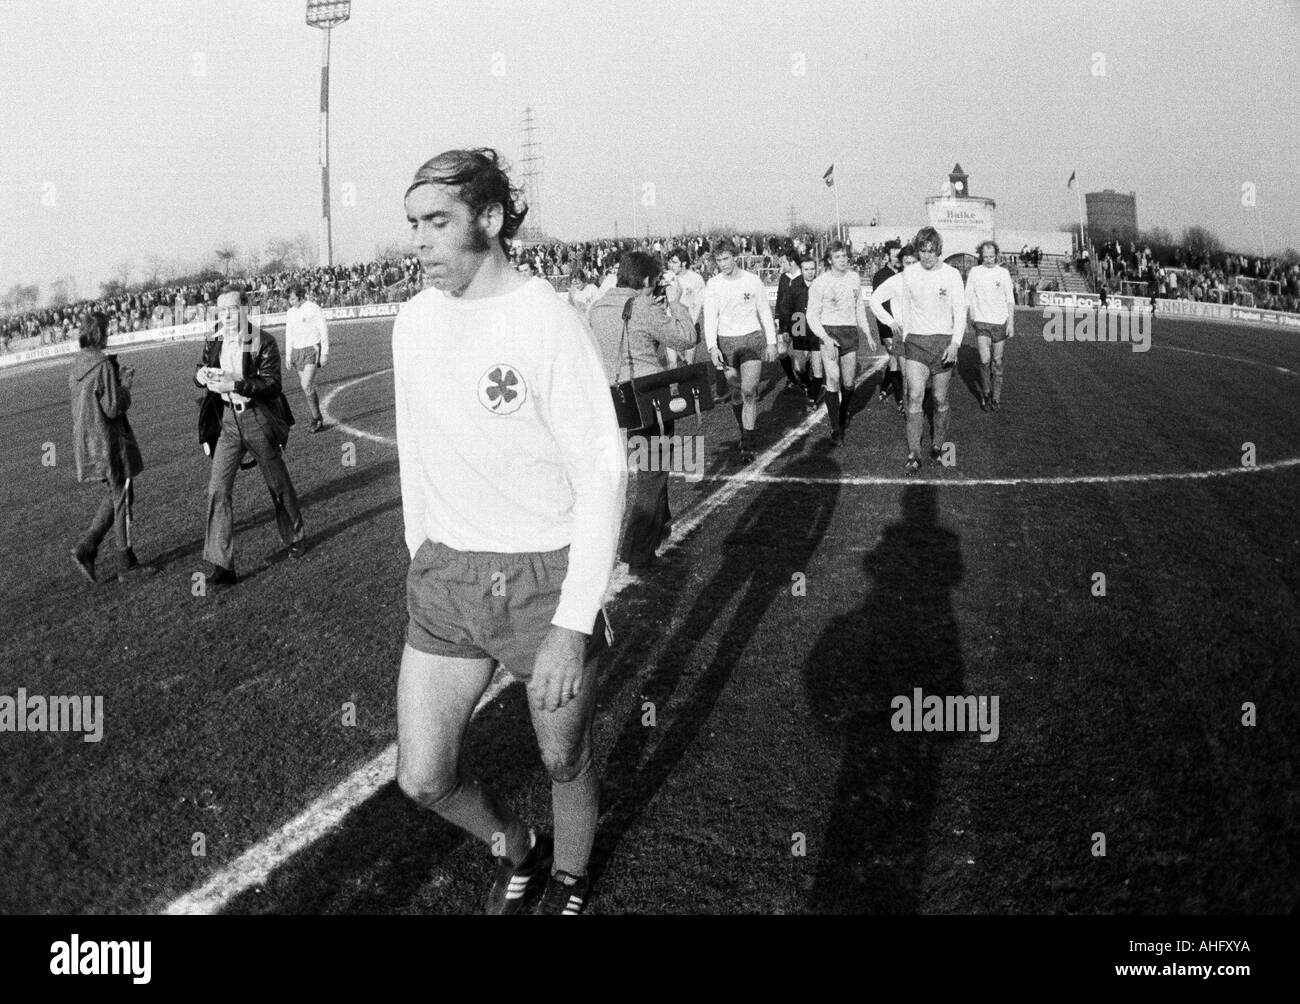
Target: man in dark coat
{"type": "Point", "coordinates": [104, 445]}
{"type": "Point", "coordinates": [242, 365]}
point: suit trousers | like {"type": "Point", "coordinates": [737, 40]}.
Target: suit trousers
{"type": "Point", "coordinates": [240, 432]}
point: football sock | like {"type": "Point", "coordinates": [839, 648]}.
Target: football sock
{"type": "Point", "coordinates": [915, 426]}
{"type": "Point", "coordinates": [984, 379]}
{"type": "Point", "coordinates": [789, 369]}
{"type": "Point", "coordinates": [833, 409]}
{"type": "Point", "coordinates": [475, 808]}
{"type": "Point", "coordinates": [576, 805]}
{"type": "Point", "coordinates": [940, 425]}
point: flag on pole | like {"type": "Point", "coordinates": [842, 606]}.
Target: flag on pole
{"type": "Point", "coordinates": [829, 176]}
{"type": "Point", "coordinates": [1071, 181]}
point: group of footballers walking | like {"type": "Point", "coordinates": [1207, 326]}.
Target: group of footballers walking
{"type": "Point", "coordinates": [921, 306]}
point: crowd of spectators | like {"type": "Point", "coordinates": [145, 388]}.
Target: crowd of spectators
{"type": "Point", "coordinates": [1267, 283]}
{"type": "Point", "coordinates": [340, 285]}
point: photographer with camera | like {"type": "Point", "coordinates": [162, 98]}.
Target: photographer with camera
{"type": "Point", "coordinates": [633, 322]}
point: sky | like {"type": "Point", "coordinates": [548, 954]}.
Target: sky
{"type": "Point", "coordinates": [160, 129]}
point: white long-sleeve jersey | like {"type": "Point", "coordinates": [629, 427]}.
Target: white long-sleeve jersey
{"type": "Point", "coordinates": [989, 295]}
{"type": "Point", "coordinates": [304, 327]}
{"type": "Point", "coordinates": [736, 306]}
{"type": "Point", "coordinates": [506, 435]}
{"type": "Point", "coordinates": [924, 301]}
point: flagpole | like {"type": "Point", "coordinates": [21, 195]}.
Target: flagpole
{"type": "Point", "coordinates": [839, 228]}
{"type": "Point", "coordinates": [1078, 192]}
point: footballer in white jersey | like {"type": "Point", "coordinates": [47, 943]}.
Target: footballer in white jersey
{"type": "Point", "coordinates": [928, 304]}
{"type": "Point", "coordinates": [991, 302]}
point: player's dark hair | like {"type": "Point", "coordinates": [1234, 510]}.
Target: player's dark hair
{"type": "Point", "coordinates": [928, 235]}
{"type": "Point", "coordinates": [635, 267]}
{"type": "Point", "coordinates": [678, 253]}
{"type": "Point", "coordinates": [233, 288]}
{"type": "Point", "coordinates": [479, 179]}
{"type": "Point", "coordinates": [834, 246]}
{"type": "Point", "coordinates": [92, 330]}
{"type": "Point", "coordinates": [295, 289]}
{"type": "Point", "coordinates": [979, 251]}
{"type": "Point", "coordinates": [725, 246]}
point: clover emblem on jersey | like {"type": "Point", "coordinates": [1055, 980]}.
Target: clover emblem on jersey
{"type": "Point", "coordinates": [501, 390]}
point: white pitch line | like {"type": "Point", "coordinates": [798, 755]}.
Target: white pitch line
{"type": "Point", "coordinates": [753, 476]}
{"type": "Point", "coordinates": [256, 864]}
{"type": "Point", "coordinates": [1082, 479]}
{"type": "Point", "coordinates": [1231, 359]}
{"type": "Point", "coordinates": [352, 430]}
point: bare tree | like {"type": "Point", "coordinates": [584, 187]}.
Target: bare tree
{"type": "Point", "coordinates": [154, 268]}
{"type": "Point", "coordinates": [1198, 240]}
{"type": "Point", "coordinates": [1158, 235]}
{"type": "Point", "coordinates": [282, 253]}
{"type": "Point", "coordinates": [122, 274]}
{"type": "Point", "coordinates": [225, 254]}
{"type": "Point", "coordinates": [305, 244]}
{"type": "Point", "coordinates": [20, 299]}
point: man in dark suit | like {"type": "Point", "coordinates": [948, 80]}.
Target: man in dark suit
{"type": "Point", "coordinates": [242, 367]}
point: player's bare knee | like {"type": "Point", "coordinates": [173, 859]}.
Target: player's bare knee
{"type": "Point", "coordinates": [566, 765]}
{"type": "Point", "coordinates": [427, 788]}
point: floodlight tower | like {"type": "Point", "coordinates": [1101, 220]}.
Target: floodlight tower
{"type": "Point", "coordinates": [532, 161]}
{"type": "Point", "coordinates": [325, 14]}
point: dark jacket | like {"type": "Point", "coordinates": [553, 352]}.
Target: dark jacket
{"type": "Point", "coordinates": [103, 444]}
{"type": "Point", "coordinates": [785, 308]}
{"type": "Point", "coordinates": [261, 379]}
{"type": "Point", "coordinates": [882, 276]}
{"type": "Point", "coordinates": [651, 325]}
{"type": "Point", "coordinates": [261, 383]}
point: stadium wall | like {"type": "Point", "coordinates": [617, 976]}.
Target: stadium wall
{"type": "Point", "coordinates": [1174, 308]}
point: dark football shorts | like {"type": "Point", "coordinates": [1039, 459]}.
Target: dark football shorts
{"type": "Point", "coordinates": [308, 356]}
{"type": "Point", "coordinates": [845, 336]}
{"type": "Point", "coordinates": [894, 346]}
{"type": "Point", "coordinates": [928, 349]}
{"type": "Point", "coordinates": [486, 605]}
{"type": "Point", "coordinates": [996, 332]}
{"type": "Point", "coordinates": [742, 348]}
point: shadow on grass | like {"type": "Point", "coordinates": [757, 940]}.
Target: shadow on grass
{"type": "Point", "coordinates": [872, 854]}
{"type": "Point", "coordinates": [759, 556]}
